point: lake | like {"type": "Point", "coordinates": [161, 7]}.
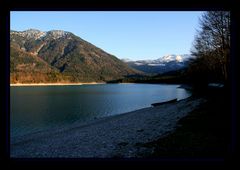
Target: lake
{"type": "Point", "coordinates": [38, 108]}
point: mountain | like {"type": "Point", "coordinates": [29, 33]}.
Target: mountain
{"type": "Point", "coordinates": [161, 65]}
{"type": "Point", "coordinates": [60, 56]}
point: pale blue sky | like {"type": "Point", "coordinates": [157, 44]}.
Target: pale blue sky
{"type": "Point", "coordinates": [133, 35]}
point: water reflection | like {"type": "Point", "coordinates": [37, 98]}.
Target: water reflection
{"type": "Point", "coordinates": [37, 108]}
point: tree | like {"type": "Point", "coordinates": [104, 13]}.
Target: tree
{"type": "Point", "coordinates": [212, 44]}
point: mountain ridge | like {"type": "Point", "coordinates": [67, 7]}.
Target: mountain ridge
{"type": "Point", "coordinates": [160, 65]}
{"type": "Point", "coordinates": [68, 57]}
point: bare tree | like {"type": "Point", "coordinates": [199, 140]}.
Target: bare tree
{"type": "Point", "coordinates": [212, 41]}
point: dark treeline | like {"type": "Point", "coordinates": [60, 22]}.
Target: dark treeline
{"type": "Point", "coordinates": [211, 48]}
{"type": "Point", "coordinates": [178, 76]}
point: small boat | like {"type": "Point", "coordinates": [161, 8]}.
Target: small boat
{"type": "Point", "coordinates": [160, 103]}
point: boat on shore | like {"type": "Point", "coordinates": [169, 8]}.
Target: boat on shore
{"type": "Point", "coordinates": [165, 102]}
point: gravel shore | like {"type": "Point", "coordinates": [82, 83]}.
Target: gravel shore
{"type": "Point", "coordinates": [115, 136]}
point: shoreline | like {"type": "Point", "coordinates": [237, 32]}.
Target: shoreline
{"type": "Point", "coordinates": [120, 135]}
{"type": "Point", "coordinates": [55, 84]}
{"type": "Point", "coordinates": [78, 84]}
{"type": "Point", "coordinates": [204, 132]}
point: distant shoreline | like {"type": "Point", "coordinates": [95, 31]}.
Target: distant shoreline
{"type": "Point", "coordinates": [187, 87]}
{"type": "Point", "coordinates": [54, 84]}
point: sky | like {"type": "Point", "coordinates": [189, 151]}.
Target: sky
{"type": "Point", "coordinates": [132, 35]}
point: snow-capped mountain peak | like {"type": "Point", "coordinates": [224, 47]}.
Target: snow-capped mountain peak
{"type": "Point", "coordinates": [162, 64]}
{"type": "Point", "coordinates": [30, 33]}
{"type": "Point", "coordinates": [37, 34]}
{"type": "Point", "coordinates": [173, 57]}
{"type": "Point", "coordinates": [179, 58]}
{"type": "Point", "coordinates": [55, 34]}
{"type": "Point", "coordinates": [168, 58]}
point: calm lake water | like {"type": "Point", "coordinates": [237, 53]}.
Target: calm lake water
{"type": "Point", "coordinates": [33, 109]}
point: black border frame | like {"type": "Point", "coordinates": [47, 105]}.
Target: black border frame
{"type": "Point", "coordinates": [71, 5]}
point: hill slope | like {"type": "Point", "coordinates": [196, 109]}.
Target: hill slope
{"type": "Point", "coordinates": [59, 56]}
